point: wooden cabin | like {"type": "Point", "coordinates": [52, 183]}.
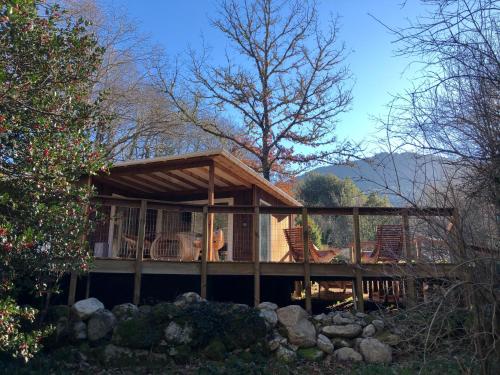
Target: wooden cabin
{"type": "Point", "coordinates": [208, 215]}
{"type": "Point", "coordinates": [205, 178]}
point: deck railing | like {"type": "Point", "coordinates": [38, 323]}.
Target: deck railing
{"type": "Point", "coordinates": [149, 230]}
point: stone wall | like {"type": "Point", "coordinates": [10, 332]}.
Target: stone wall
{"type": "Point", "coordinates": [192, 327]}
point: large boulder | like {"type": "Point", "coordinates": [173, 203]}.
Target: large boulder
{"type": "Point", "coordinates": [86, 307]}
{"type": "Point", "coordinates": [348, 331]}
{"type": "Point", "coordinates": [269, 316]}
{"type": "Point", "coordinates": [302, 334]}
{"type": "Point", "coordinates": [369, 330]}
{"type": "Point", "coordinates": [291, 315]}
{"type": "Point", "coordinates": [100, 324]}
{"type": "Point", "coordinates": [379, 324]}
{"type": "Point", "coordinates": [187, 299]}
{"type": "Point", "coordinates": [176, 334]}
{"type": "Point", "coordinates": [325, 344]}
{"type": "Point", "coordinates": [340, 320]}
{"type": "Point", "coordinates": [125, 311]}
{"type": "Point", "coordinates": [300, 330]}
{"type": "Point", "coordinates": [267, 306]}
{"type": "Point", "coordinates": [79, 331]}
{"type": "Point", "coordinates": [374, 351]}
{"type": "Point", "coordinates": [347, 355]}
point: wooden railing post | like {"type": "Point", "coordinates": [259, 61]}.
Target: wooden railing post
{"type": "Point", "coordinates": [358, 289]}
{"type": "Point", "coordinates": [139, 252]}
{"type": "Point", "coordinates": [204, 253]}
{"type": "Point", "coordinates": [307, 265]}
{"type": "Point", "coordinates": [211, 199]}
{"type": "Point", "coordinates": [256, 256]}
{"type": "Point", "coordinates": [411, 295]}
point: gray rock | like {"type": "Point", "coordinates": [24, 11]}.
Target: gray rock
{"type": "Point", "coordinates": [340, 320]}
{"type": "Point", "coordinates": [269, 316]}
{"type": "Point", "coordinates": [125, 311]}
{"type": "Point", "coordinates": [379, 324]}
{"type": "Point", "coordinates": [62, 327]}
{"type": "Point", "coordinates": [174, 333]}
{"type": "Point", "coordinates": [369, 330]}
{"type": "Point", "coordinates": [302, 334]}
{"type": "Point", "coordinates": [361, 315]}
{"type": "Point", "coordinates": [374, 351]}
{"type": "Point", "coordinates": [319, 317]}
{"type": "Point", "coordinates": [188, 298]}
{"type": "Point", "coordinates": [347, 355]}
{"type": "Point", "coordinates": [79, 331]}
{"type": "Point", "coordinates": [86, 307]}
{"type": "Point", "coordinates": [286, 355]}
{"type": "Point", "coordinates": [267, 306]}
{"type": "Point", "coordinates": [291, 315]}
{"type": "Point", "coordinates": [347, 331]}
{"type": "Point", "coordinates": [347, 315]}
{"type": "Point", "coordinates": [341, 343]}
{"type": "Point", "coordinates": [100, 324]}
{"type": "Point", "coordinates": [274, 343]}
{"type": "Point", "coordinates": [324, 344]}
{"type": "Point", "coordinates": [145, 309]}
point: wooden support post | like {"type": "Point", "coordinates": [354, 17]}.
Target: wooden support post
{"type": "Point", "coordinates": [360, 303]}
{"type": "Point", "coordinates": [204, 251]}
{"type": "Point", "coordinates": [87, 286]}
{"type": "Point", "coordinates": [256, 257]}
{"type": "Point", "coordinates": [307, 265]}
{"type": "Point", "coordinates": [139, 252]}
{"type": "Point", "coordinates": [408, 252]}
{"type": "Point", "coordinates": [211, 181]}
{"type": "Point", "coordinates": [73, 279]}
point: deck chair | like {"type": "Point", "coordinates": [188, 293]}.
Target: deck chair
{"type": "Point", "coordinates": [131, 246]}
{"type": "Point", "coordinates": [295, 242]}
{"type": "Point", "coordinates": [165, 247]}
{"type": "Point", "coordinates": [389, 243]}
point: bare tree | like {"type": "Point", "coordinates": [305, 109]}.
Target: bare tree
{"type": "Point", "coordinates": [144, 123]}
{"type": "Point", "coordinates": [284, 78]}
{"type": "Point", "coordinates": [453, 111]}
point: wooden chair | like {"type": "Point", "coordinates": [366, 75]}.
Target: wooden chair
{"type": "Point", "coordinates": [131, 244]}
{"type": "Point", "coordinates": [295, 242]}
{"type": "Point", "coordinates": [389, 243]}
{"type": "Point", "coordinates": [165, 247]}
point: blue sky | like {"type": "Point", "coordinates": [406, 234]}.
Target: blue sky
{"type": "Point", "coordinates": [175, 25]}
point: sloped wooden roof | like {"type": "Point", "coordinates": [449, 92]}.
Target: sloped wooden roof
{"type": "Point", "coordinates": [189, 174]}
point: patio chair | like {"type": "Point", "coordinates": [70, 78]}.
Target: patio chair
{"type": "Point", "coordinates": [295, 242]}
{"type": "Point", "coordinates": [389, 244]}
{"type": "Point", "coordinates": [164, 247]}
{"type": "Point", "coordinates": [190, 245]}
{"type": "Point", "coordinates": [131, 246]}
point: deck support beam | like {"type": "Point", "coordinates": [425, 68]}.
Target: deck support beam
{"type": "Point", "coordinates": [73, 279]}
{"type": "Point", "coordinates": [139, 252]}
{"type": "Point", "coordinates": [211, 198]}
{"type": "Point", "coordinates": [204, 251]}
{"type": "Point", "coordinates": [256, 257]}
{"type": "Point", "coordinates": [307, 265]}
{"type": "Point", "coordinates": [358, 284]}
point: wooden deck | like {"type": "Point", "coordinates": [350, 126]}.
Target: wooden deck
{"type": "Point", "coordinates": [319, 270]}
{"type": "Point", "coordinates": [407, 272]}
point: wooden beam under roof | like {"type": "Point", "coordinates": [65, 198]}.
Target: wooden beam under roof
{"type": "Point", "coordinates": [231, 174]}
{"type": "Point", "coordinates": [195, 177]}
{"type": "Point", "coordinates": [125, 169]}
{"type": "Point", "coordinates": [136, 179]}
{"type": "Point", "coordinates": [166, 182]}
{"type": "Point", "coordinates": [131, 185]}
{"type": "Point", "coordinates": [180, 179]}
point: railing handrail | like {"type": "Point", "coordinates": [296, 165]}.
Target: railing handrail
{"type": "Point", "coordinates": [278, 210]}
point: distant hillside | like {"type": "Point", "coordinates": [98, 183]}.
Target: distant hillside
{"type": "Point", "coordinates": [407, 173]}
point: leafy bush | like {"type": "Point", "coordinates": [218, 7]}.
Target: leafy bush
{"type": "Point", "coordinates": [17, 336]}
